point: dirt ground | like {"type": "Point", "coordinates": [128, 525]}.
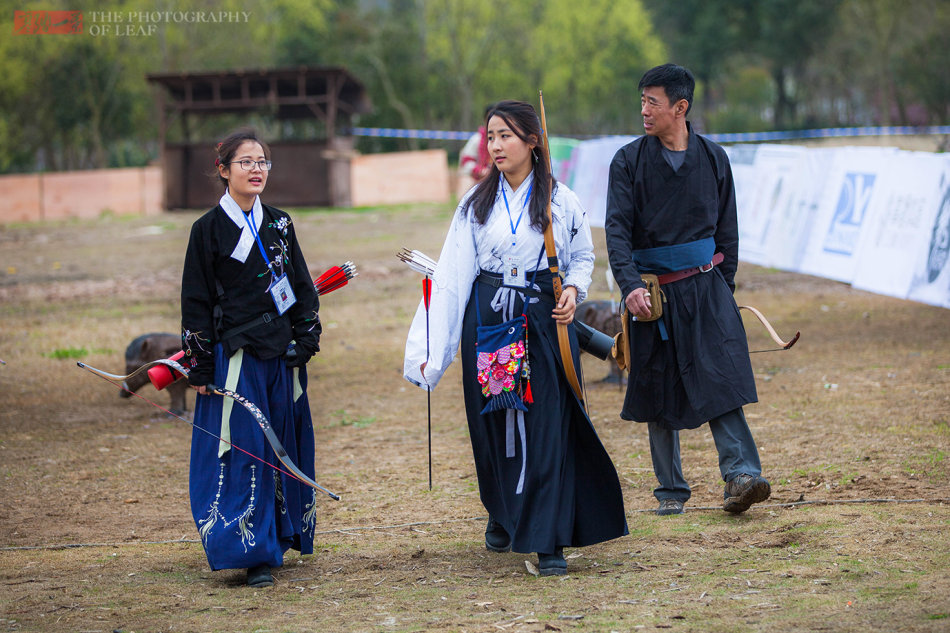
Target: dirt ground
{"type": "Point", "coordinates": [96, 533]}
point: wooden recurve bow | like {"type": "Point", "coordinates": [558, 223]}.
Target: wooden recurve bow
{"type": "Point", "coordinates": [563, 338]}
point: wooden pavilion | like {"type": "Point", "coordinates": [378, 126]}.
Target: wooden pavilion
{"type": "Point", "coordinates": [306, 172]}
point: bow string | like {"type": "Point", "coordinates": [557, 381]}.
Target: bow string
{"type": "Point", "coordinates": [256, 413]}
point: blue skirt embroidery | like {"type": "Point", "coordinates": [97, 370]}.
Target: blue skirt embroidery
{"type": "Point", "coordinates": [248, 513]}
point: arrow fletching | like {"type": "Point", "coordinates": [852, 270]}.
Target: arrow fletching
{"type": "Point", "coordinates": [417, 261]}
{"type": "Point", "coordinates": [335, 278]}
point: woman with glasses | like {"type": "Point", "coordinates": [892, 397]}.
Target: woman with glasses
{"type": "Point", "coordinates": [249, 324]}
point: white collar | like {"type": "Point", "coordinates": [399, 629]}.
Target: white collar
{"type": "Point", "coordinates": [523, 187]}
{"type": "Point", "coordinates": [237, 215]}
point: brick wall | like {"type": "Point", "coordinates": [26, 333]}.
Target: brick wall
{"type": "Point", "coordinates": [81, 194]}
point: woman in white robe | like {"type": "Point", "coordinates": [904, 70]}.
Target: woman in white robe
{"type": "Point", "coordinates": [543, 474]}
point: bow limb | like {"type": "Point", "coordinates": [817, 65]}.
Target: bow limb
{"type": "Point", "coordinates": [563, 338]}
{"type": "Point", "coordinates": [255, 412]}
{"type": "Point", "coordinates": [775, 337]}
{"type": "Point", "coordinates": [272, 439]}
{"type": "Point", "coordinates": [145, 367]}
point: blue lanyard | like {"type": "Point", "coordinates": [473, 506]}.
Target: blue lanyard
{"type": "Point", "coordinates": [514, 225]}
{"type": "Point", "coordinates": [249, 219]}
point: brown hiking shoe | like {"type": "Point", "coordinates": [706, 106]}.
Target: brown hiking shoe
{"type": "Point", "coordinates": [670, 506]}
{"type": "Point", "coordinates": [743, 491]}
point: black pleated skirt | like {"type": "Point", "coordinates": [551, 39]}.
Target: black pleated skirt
{"type": "Point", "coordinates": [543, 475]}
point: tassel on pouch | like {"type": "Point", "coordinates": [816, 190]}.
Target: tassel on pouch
{"type": "Point", "coordinates": [504, 400]}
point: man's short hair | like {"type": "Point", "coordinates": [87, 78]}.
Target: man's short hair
{"type": "Point", "coordinates": [677, 81]}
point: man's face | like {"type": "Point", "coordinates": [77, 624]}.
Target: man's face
{"type": "Point", "coordinates": [659, 115]}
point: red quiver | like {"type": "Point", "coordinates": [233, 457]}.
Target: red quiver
{"type": "Point", "coordinates": [162, 375]}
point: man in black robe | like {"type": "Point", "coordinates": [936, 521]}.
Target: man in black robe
{"type": "Point", "coordinates": [671, 211]}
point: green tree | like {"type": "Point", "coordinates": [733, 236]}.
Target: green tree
{"type": "Point", "coordinates": [922, 67]}
{"type": "Point", "coordinates": [66, 99]}
{"type": "Point", "coordinates": [887, 60]}
{"type": "Point", "coordinates": [590, 57]}
{"type": "Point", "coordinates": [460, 37]}
{"type": "Point", "coordinates": [786, 35]}
{"type": "Point", "coordinates": [704, 36]}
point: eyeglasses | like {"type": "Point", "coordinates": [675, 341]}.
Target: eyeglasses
{"type": "Point", "coordinates": [247, 164]}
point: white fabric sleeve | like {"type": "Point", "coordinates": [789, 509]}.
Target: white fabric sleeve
{"type": "Point", "coordinates": [451, 287]}
{"type": "Point", "coordinates": [579, 246]}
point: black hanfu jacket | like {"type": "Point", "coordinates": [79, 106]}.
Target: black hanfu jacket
{"type": "Point", "coordinates": [703, 369]}
{"type": "Point", "coordinates": [220, 293]}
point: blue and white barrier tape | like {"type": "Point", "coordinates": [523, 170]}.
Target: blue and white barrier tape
{"type": "Point", "coordinates": [389, 132]}
{"type": "Point", "coordinates": [745, 137]}
{"type": "Point", "coordinates": [829, 133]}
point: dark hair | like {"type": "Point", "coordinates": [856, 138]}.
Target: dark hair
{"type": "Point", "coordinates": [524, 122]}
{"type": "Point", "coordinates": [677, 81]}
{"type": "Point", "coordinates": [226, 149]}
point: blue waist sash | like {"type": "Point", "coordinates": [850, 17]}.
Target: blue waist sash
{"type": "Point", "coordinates": [668, 259]}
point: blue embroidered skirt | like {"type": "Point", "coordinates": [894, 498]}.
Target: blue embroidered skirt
{"type": "Point", "coordinates": [248, 513]}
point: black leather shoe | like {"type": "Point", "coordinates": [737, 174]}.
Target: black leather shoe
{"type": "Point", "coordinates": [670, 506]}
{"type": "Point", "coordinates": [496, 538]}
{"type": "Point", "coordinates": [744, 490]}
{"type": "Point", "coordinates": [552, 564]}
{"type": "Point", "coordinates": [259, 576]}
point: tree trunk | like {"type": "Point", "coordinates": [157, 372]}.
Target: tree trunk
{"type": "Point", "coordinates": [405, 113]}
{"type": "Point", "coordinates": [781, 98]}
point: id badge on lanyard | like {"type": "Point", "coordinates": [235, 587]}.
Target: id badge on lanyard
{"type": "Point", "coordinates": [282, 294]}
{"type": "Point", "coordinates": [280, 289]}
{"type": "Point", "coordinates": [514, 273]}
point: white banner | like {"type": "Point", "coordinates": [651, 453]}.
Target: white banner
{"type": "Point", "coordinates": [853, 181]}
{"type": "Point", "coordinates": [874, 217]}
{"type": "Point", "coordinates": [898, 220]}
{"type": "Point", "coordinates": [592, 171]}
{"type": "Point", "coordinates": [769, 182]}
{"type": "Point", "coordinates": [931, 279]}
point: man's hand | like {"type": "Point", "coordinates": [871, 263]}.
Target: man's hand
{"type": "Point", "coordinates": [638, 303]}
{"type": "Point", "coordinates": [564, 311]}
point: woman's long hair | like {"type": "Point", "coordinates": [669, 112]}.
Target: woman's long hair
{"type": "Point", "coordinates": [524, 122]}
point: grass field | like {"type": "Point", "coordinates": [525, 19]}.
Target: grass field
{"type": "Point", "coordinates": [96, 534]}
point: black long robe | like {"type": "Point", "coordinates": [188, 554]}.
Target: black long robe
{"type": "Point", "coordinates": [703, 369]}
{"type": "Point", "coordinates": [572, 495]}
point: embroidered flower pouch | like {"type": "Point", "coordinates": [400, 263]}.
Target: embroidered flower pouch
{"type": "Point", "coordinates": [502, 363]}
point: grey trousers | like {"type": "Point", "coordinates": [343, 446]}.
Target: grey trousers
{"type": "Point", "coordinates": [734, 443]}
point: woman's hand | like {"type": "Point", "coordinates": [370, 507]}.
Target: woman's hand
{"type": "Point", "coordinates": [422, 369]}
{"type": "Point", "coordinates": [566, 305]}
{"type": "Point", "coordinates": [203, 390]}
{"type": "Point", "coordinates": [638, 303]}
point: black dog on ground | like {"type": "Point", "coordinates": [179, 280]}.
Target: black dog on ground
{"type": "Point", "coordinates": [149, 347]}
